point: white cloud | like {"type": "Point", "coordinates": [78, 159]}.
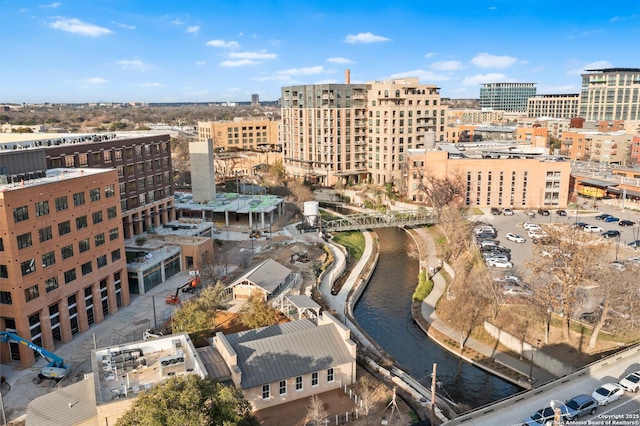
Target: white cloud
{"type": "Point", "coordinates": [51, 5]}
{"type": "Point", "coordinates": [446, 65]}
{"type": "Point", "coordinates": [135, 64]}
{"type": "Point", "coordinates": [429, 54]}
{"type": "Point", "coordinates": [339, 60]}
{"type": "Point", "coordinates": [95, 80]}
{"type": "Point", "coordinates": [423, 75]}
{"type": "Point", "coordinates": [239, 63]}
{"type": "Point", "coordinates": [486, 60]}
{"type": "Point", "coordinates": [223, 43]}
{"type": "Point", "coordinates": [253, 55]}
{"type": "Point", "coordinates": [477, 79]}
{"type": "Point", "coordinates": [590, 66]}
{"type": "Point", "coordinates": [76, 26]}
{"type": "Point", "coordinates": [193, 29]}
{"type": "Point", "coordinates": [125, 26]}
{"type": "Point", "coordinates": [177, 22]}
{"type": "Point", "coordinates": [364, 38]}
{"type": "Point", "coordinates": [150, 84]}
{"type": "Point", "coordinates": [200, 63]}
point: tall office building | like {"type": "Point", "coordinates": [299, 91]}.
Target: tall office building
{"type": "Point", "coordinates": [358, 132]}
{"type": "Point", "coordinates": [62, 256]}
{"type": "Point", "coordinates": [255, 99]}
{"type": "Point", "coordinates": [610, 94]}
{"type": "Point", "coordinates": [510, 97]}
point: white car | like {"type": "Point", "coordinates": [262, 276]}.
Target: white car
{"type": "Point", "coordinates": [530, 225]}
{"type": "Point", "coordinates": [499, 263]}
{"type": "Point", "coordinates": [516, 238]}
{"type": "Point", "coordinates": [631, 382]}
{"type": "Point", "coordinates": [516, 291]}
{"type": "Point", "coordinates": [536, 233]}
{"type": "Point", "coordinates": [607, 393]}
{"type": "Point", "coordinates": [507, 212]}
{"type": "Point", "coordinates": [592, 228]}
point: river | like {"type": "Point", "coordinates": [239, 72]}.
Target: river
{"type": "Point", "coordinates": [384, 312]}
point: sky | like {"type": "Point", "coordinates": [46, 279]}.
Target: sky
{"type": "Point", "coordinates": [71, 51]}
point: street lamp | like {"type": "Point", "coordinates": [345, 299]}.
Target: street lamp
{"type": "Point", "coordinates": [531, 361]}
{"type": "Point", "coordinates": [253, 238]}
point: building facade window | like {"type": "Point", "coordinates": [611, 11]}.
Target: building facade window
{"type": "Point", "coordinates": [48, 259]}
{"type": "Point", "coordinates": [102, 260]}
{"type": "Point", "coordinates": [24, 240]}
{"type": "Point", "coordinates": [81, 222]}
{"type": "Point", "coordinates": [67, 252]}
{"type": "Point", "coordinates": [86, 268]}
{"type": "Point", "coordinates": [42, 208]}
{"type": "Point", "coordinates": [78, 199]}
{"type": "Point", "coordinates": [94, 194]}
{"type": "Point", "coordinates": [45, 234]}
{"type": "Point", "coordinates": [28, 267]}
{"type": "Point", "coordinates": [64, 228]}
{"type": "Point", "coordinates": [84, 245]}
{"type": "Point", "coordinates": [330, 375]}
{"type": "Point", "coordinates": [20, 214]}
{"type": "Point", "coordinates": [5, 298]}
{"type": "Point", "coordinates": [114, 234]}
{"type": "Point", "coordinates": [283, 387]}
{"type": "Point", "coordinates": [31, 293]}
{"type": "Point", "coordinates": [61, 203]}
{"type": "Point", "coordinates": [115, 255]}
{"type": "Point", "coordinates": [266, 391]}
{"type": "Point", "coordinates": [109, 191]}
{"type": "Point", "coordinates": [314, 378]}
{"type": "Point", "coordinates": [299, 383]}
{"type": "Point", "coordinates": [97, 217]}
{"type": "Point", "coordinates": [70, 276]}
{"type": "Point", "coordinates": [4, 271]}
{"type": "Point", "coordinates": [112, 212]}
{"type": "Point", "coordinates": [51, 284]}
{"type": "Point", "coordinates": [98, 240]}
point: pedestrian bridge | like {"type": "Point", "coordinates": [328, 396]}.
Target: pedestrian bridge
{"type": "Point", "coordinates": [370, 220]}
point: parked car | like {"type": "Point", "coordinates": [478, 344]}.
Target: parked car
{"type": "Point", "coordinates": [626, 222]}
{"type": "Point", "coordinates": [536, 233]}
{"type": "Point", "coordinates": [580, 405]}
{"type": "Point", "coordinates": [602, 216]}
{"type": "Point", "coordinates": [507, 212]}
{"type": "Point", "coordinates": [561, 212]}
{"type": "Point", "coordinates": [607, 393]}
{"type": "Point", "coordinates": [531, 225]}
{"type": "Point", "coordinates": [516, 291]}
{"type": "Point", "coordinates": [612, 233]}
{"type": "Point", "coordinates": [516, 238]}
{"type": "Point", "coordinates": [592, 228]}
{"type": "Point", "coordinates": [634, 244]}
{"type": "Point", "coordinates": [546, 416]}
{"type": "Point", "coordinates": [496, 211]}
{"type": "Point", "coordinates": [611, 219]}
{"type": "Point", "coordinates": [499, 263]}
{"type": "Point", "coordinates": [631, 382]}
{"type": "Point", "coordinates": [580, 225]}
{"type": "Point", "coordinates": [543, 212]}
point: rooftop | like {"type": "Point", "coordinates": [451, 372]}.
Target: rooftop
{"type": "Point", "coordinates": [231, 202]}
{"type": "Point", "coordinates": [53, 175]}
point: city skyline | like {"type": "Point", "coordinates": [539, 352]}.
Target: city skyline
{"type": "Point", "coordinates": [116, 51]}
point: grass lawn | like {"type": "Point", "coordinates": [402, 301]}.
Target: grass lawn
{"type": "Point", "coordinates": [353, 241]}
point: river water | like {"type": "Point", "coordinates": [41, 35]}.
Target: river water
{"type": "Point", "coordinates": [384, 312]}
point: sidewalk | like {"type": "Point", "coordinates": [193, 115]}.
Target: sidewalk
{"type": "Point", "coordinates": [428, 312]}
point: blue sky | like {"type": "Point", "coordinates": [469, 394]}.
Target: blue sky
{"type": "Point", "coordinates": [197, 51]}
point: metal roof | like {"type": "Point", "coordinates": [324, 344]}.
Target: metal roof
{"type": "Point", "coordinates": [70, 405]}
{"type": "Point", "coordinates": [268, 275]}
{"type": "Point", "coordinates": [301, 301]}
{"type": "Point", "coordinates": [598, 183]}
{"type": "Point", "coordinates": [287, 350]}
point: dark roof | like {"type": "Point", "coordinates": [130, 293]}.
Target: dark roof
{"type": "Point", "coordinates": [597, 183]}
{"type": "Point", "coordinates": [268, 275]}
{"type": "Point", "coordinates": [288, 350]}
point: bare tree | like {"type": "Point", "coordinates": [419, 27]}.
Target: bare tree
{"type": "Point", "coordinates": [456, 229]}
{"type": "Point", "coordinates": [316, 413]}
{"type": "Point", "coordinates": [440, 191]}
{"type": "Point", "coordinates": [571, 259]}
{"type": "Point", "coordinates": [213, 265]}
{"type": "Point", "coordinates": [366, 391]}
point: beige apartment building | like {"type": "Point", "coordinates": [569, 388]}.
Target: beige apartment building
{"type": "Point", "coordinates": [358, 132]}
{"type": "Point", "coordinates": [553, 106]}
{"type": "Point", "coordinates": [62, 260]}
{"type": "Point", "coordinates": [610, 94]}
{"type": "Point", "coordinates": [499, 181]}
{"type": "Point", "coordinates": [241, 134]}
{"type": "Point", "coordinates": [474, 116]}
{"type": "Point", "coordinates": [602, 147]}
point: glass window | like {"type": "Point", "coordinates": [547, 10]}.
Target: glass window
{"type": "Point", "coordinates": [42, 208]}
{"type": "Point", "coordinates": [84, 245]}
{"type": "Point", "coordinates": [45, 234]}
{"type": "Point", "coordinates": [5, 298]}
{"type": "Point", "coordinates": [67, 251]}
{"type": "Point", "coordinates": [102, 261]}
{"type": "Point", "coordinates": [94, 194]}
{"type": "Point", "coordinates": [109, 191]}
{"type": "Point", "coordinates": [70, 275]}
{"type": "Point", "coordinates": [283, 387]}
{"type": "Point", "coordinates": [51, 284]}
{"type": "Point", "coordinates": [330, 375]}
{"type": "Point", "coordinates": [81, 222]}
{"type": "Point", "coordinates": [299, 383]}
{"type": "Point", "coordinates": [28, 266]}
{"type": "Point", "coordinates": [4, 271]}
{"type": "Point", "coordinates": [115, 255]}
{"type": "Point", "coordinates": [48, 259]}
{"type": "Point", "coordinates": [61, 203]}
{"type": "Point", "coordinates": [64, 228]}
{"type": "Point", "coordinates": [78, 199]}
{"type": "Point", "coordinates": [20, 214]}
{"type": "Point", "coordinates": [98, 240]}
{"type": "Point", "coordinates": [86, 268]}
{"type": "Point", "coordinates": [113, 234]}
{"type": "Point", "coordinates": [112, 212]}
{"type": "Point", "coordinates": [97, 217]}
{"type": "Point", "coordinates": [24, 240]}
{"type": "Point", "coordinates": [31, 293]}
{"type": "Point", "coordinates": [266, 391]}
{"type": "Point", "coordinates": [314, 378]}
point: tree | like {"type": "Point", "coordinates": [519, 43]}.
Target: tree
{"type": "Point", "coordinates": [571, 259]}
{"type": "Point", "coordinates": [258, 312]}
{"type": "Point", "coordinates": [316, 414]}
{"type": "Point", "coordinates": [456, 229]}
{"type": "Point", "coordinates": [189, 400]}
{"type": "Point", "coordinates": [366, 391]}
{"type": "Point", "coordinates": [199, 313]}
{"type": "Point", "coordinates": [440, 191]}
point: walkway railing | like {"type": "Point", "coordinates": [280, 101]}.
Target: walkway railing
{"type": "Point", "coordinates": [362, 221]}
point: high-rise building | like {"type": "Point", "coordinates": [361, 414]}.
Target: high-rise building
{"type": "Point", "coordinates": [345, 133]}
{"type": "Point", "coordinates": [512, 97]}
{"type": "Point", "coordinates": [62, 255]}
{"type": "Point", "coordinates": [610, 94]}
{"type": "Point", "coordinates": [553, 106]}
{"type": "Point", "coordinates": [255, 99]}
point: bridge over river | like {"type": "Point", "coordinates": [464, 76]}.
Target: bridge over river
{"type": "Point", "coordinates": [371, 220]}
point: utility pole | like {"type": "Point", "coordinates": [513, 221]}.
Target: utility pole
{"type": "Point", "coordinates": [433, 393]}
